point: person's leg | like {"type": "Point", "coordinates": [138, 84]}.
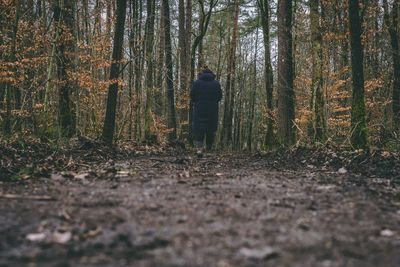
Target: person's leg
{"type": "Point", "coordinates": [199, 139]}
{"type": "Point", "coordinates": [210, 137]}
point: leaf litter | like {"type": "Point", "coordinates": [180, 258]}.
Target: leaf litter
{"type": "Point", "coordinates": [132, 206]}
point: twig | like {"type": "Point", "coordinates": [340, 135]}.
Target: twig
{"type": "Point", "coordinates": [160, 160]}
{"type": "Point", "coordinates": [14, 196]}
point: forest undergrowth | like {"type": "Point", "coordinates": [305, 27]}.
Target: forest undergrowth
{"type": "Point", "coordinates": [32, 157]}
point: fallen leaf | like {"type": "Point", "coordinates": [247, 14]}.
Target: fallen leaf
{"type": "Point", "coordinates": [387, 233]}
{"type": "Point", "coordinates": [61, 237]}
{"type": "Point", "coordinates": [94, 232]}
{"type": "Point", "coordinates": [266, 252]}
{"type": "Point", "coordinates": [36, 237]}
{"type": "Point", "coordinates": [342, 170]}
{"type": "Point", "coordinates": [82, 175]}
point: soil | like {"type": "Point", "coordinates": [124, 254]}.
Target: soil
{"type": "Point", "coordinates": [174, 209]}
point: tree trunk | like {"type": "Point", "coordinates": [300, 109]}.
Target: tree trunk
{"type": "Point", "coordinates": [150, 66]}
{"type": "Point", "coordinates": [9, 87]}
{"type": "Point", "coordinates": [230, 82]}
{"type": "Point", "coordinates": [64, 19]}
{"type": "Point", "coordinates": [109, 121]}
{"type": "Point", "coordinates": [170, 72]}
{"type": "Point", "coordinates": [392, 23]}
{"type": "Point", "coordinates": [138, 69]}
{"type": "Point", "coordinates": [318, 129]}
{"type": "Point", "coordinates": [183, 73]}
{"type": "Point", "coordinates": [28, 88]}
{"type": "Point", "coordinates": [160, 103]}
{"type": "Point", "coordinates": [263, 6]}
{"type": "Point", "coordinates": [358, 124]}
{"type": "Point", "coordinates": [185, 27]}
{"type": "Point", "coordinates": [253, 96]}
{"type": "Point", "coordinates": [286, 112]}
{"type": "Point", "coordinates": [202, 17]}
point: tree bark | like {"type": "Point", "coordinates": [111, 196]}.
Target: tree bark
{"type": "Point", "coordinates": [286, 112]}
{"type": "Point", "coordinates": [230, 82]}
{"type": "Point", "coordinates": [9, 87]}
{"type": "Point", "coordinates": [139, 71]}
{"type": "Point", "coordinates": [263, 6]}
{"type": "Point", "coordinates": [318, 120]}
{"type": "Point", "coordinates": [358, 124]}
{"type": "Point", "coordinates": [64, 18]}
{"type": "Point", "coordinates": [183, 72]}
{"type": "Point", "coordinates": [188, 37]}
{"type": "Point", "coordinates": [253, 96]}
{"type": "Point", "coordinates": [109, 121]}
{"type": "Point", "coordinates": [392, 23]}
{"type": "Point", "coordinates": [185, 28]}
{"type": "Point", "coordinates": [170, 72]}
{"type": "Point", "coordinates": [160, 97]}
{"type": "Point", "coordinates": [150, 69]}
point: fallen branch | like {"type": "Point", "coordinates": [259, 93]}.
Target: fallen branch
{"type": "Point", "coordinates": [14, 196]}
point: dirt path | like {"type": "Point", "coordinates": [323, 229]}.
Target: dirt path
{"type": "Point", "coordinates": [216, 211]}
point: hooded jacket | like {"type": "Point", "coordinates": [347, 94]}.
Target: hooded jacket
{"type": "Point", "coordinates": [205, 94]}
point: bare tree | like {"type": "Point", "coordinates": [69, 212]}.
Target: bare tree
{"type": "Point", "coordinates": [286, 112]}
{"type": "Point", "coordinates": [170, 72]}
{"type": "Point", "coordinates": [392, 23]}
{"type": "Point", "coordinates": [358, 124]}
{"type": "Point", "coordinates": [318, 120]}
{"type": "Point", "coordinates": [63, 16]}
{"type": "Point", "coordinates": [230, 81]}
{"type": "Point", "coordinates": [109, 121]}
{"type": "Point", "coordinates": [263, 7]}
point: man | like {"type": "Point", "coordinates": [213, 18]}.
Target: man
{"type": "Point", "coordinates": [205, 94]}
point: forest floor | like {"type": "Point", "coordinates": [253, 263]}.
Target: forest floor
{"type": "Point", "coordinates": [303, 207]}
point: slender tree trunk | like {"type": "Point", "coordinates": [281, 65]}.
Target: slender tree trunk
{"type": "Point", "coordinates": [230, 82]}
{"type": "Point", "coordinates": [149, 35]}
{"type": "Point", "coordinates": [202, 17]}
{"type": "Point", "coordinates": [160, 70]}
{"type": "Point", "coordinates": [253, 96]}
{"type": "Point", "coordinates": [9, 87]}
{"type": "Point", "coordinates": [188, 38]}
{"type": "Point", "coordinates": [358, 124]}
{"type": "Point", "coordinates": [318, 129]}
{"type": "Point", "coordinates": [138, 69]}
{"type": "Point", "coordinates": [130, 94]}
{"type": "Point", "coordinates": [170, 72]}
{"type": "Point", "coordinates": [392, 23]}
{"type": "Point", "coordinates": [183, 74]}
{"type": "Point", "coordinates": [133, 61]}
{"type": "Point", "coordinates": [286, 112]}
{"type": "Point", "coordinates": [85, 6]}
{"type": "Point", "coordinates": [344, 64]}
{"type": "Point", "coordinates": [2, 58]}
{"type": "Point", "coordinates": [263, 6]}
{"type": "Point", "coordinates": [108, 30]}
{"type": "Point", "coordinates": [49, 71]}
{"type": "Point", "coordinates": [109, 121]}
{"type": "Point", "coordinates": [64, 19]}
{"type": "Point", "coordinates": [30, 121]}
{"type": "Point", "coordinates": [185, 27]}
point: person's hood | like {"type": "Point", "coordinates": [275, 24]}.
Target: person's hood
{"type": "Point", "coordinates": [207, 75]}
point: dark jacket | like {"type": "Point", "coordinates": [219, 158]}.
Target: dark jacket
{"type": "Point", "coordinates": [205, 93]}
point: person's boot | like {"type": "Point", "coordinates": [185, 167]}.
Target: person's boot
{"type": "Point", "coordinates": [199, 153]}
{"type": "Point", "coordinates": [199, 149]}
